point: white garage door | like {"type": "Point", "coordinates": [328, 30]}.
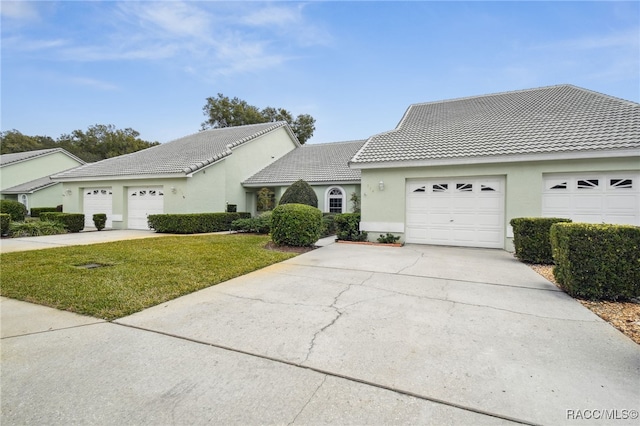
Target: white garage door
{"type": "Point", "coordinates": [97, 200]}
{"type": "Point", "coordinates": [144, 201]}
{"type": "Point", "coordinates": [593, 197]}
{"type": "Point", "coordinates": [458, 212]}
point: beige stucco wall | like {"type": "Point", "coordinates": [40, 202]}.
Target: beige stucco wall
{"type": "Point", "coordinates": [523, 197]}
{"type": "Point", "coordinates": [35, 168]}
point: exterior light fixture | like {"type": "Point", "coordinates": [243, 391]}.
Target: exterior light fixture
{"type": "Point", "coordinates": [381, 185]}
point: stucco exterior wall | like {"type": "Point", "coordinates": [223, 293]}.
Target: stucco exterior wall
{"type": "Point", "coordinates": [28, 170]}
{"type": "Point", "coordinates": [384, 210]}
{"type": "Point", "coordinates": [248, 159]}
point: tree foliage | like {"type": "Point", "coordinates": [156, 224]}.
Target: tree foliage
{"type": "Point", "coordinates": [221, 111]}
{"type": "Point", "coordinates": [98, 142]}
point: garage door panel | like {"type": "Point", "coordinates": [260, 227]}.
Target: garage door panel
{"type": "Point", "coordinates": [142, 202]}
{"type": "Point", "coordinates": [595, 198]}
{"type": "Point", "coordinates": [97, 200]}
{"type": "Point", "coordinates": [464, 212]}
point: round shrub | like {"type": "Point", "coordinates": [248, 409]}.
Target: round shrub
{"type": "Point", "coordinates": [14, 208]}
{"type": "Point", "coordinates": [100, 220]}
{"type": "Point", "coordinates": [295, 225]}
{"type": "Point", "coordinates": [5, 220]}
{"type": "Point", "coordinates": [300, 192]}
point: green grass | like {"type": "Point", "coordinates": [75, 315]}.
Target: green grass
{"type": "Point", "coordinates": [140, 273]}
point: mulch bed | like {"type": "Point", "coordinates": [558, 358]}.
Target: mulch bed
{"type": "Point", "coordinates": [625, 316]}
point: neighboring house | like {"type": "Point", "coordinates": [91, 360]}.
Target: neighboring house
{"type": "Point", "coordinates": [24, 176]}
{"type": "Point", "coordinates": [197, 173]}
{"type": "Point", "coordinates": [455, 172]}
{"type": "Point", "coordinates": [323, 166]}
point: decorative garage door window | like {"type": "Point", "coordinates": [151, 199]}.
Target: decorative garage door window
{"type": "Point", "coordinates": [588, 183]}
{"type": "Point", "coordinates": [98, 192]}
{"type": "Point", "coordinates": [621, 183]}
{"type": "Point", "coordinates": [464, 187]}
{"type": "Point", "coordinates": [145, 193]}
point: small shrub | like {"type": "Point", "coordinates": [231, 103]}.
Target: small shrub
{"type": "Point", "coordinates": [300, 192]}
{"type": "Point", "coordinates": [328, 225]}
{"type": "Point", "coordinates": [35, 211]}
{"type": "Point", "coordinates": [266, 200]}
{"type": "Point", "coordinates": [14, 208]}
{"type": "Point", "coordinates": [59, 208]}
{"type": "Point", "coordinates": [388, 239]}
{"type": "Point", "coordinates": [597, 261]}
{"type": "Point", "coordinates": [295, 225]}
{"type": "Point", "coordinates": [260, 224]}
{"type": "Point", "coordinates": [194, 223]}
{"type": "Point", "coordinates": [355, 202]}
{"type": "Point", "coordinates": [348, 227]}
{"type": "Point", "coordinates": [73, 222]}
{"type": "Point", "coordinates": [531, 238]}
{"type": "Point", "coordinates": [35, 229]}
{"type": "Point", "coordinates": [99, 221]}
{"type": "Point", "coordinates": [5, 220]}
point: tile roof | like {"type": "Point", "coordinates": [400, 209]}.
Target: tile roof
{"type": "Point", "coordinates": [30, 187]}
{"type": "Point", "coordinates": [7, 159]}
{"type": "Point", "coordinates": [181, 156]}
{"type": "Point", "coordinates": [314, 163]}
{"type": "Point", "coordinates": [547, 120]}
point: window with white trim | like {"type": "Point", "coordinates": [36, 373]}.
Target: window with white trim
{"type": "Point", "coordinates": [335, 200]}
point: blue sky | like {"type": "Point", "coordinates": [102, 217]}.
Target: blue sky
{"type": "Point", "coordinates": [354, 66]}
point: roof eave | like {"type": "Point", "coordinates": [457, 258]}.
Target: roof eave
{"type": "Point", "coordinates": [573, 155]}
{"type": "Point", "coordinates": [288, 183]}
{"type": "Point", "coordinates": [119, 177]}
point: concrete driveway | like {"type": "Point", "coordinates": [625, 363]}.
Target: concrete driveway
{"type": "Point", "coordinates": [344, 334]}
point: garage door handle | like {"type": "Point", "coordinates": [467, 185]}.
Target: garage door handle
{"type": "Point", "coordinates": [450, 220]}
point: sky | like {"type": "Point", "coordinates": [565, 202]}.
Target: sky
{"type": "Point", "coordinates": [354, 66]}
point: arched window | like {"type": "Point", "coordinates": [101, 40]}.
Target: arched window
{"type": "Point", "coordinates": [335, 201]}
{"type": "Point", "coordinates": [24, 200]}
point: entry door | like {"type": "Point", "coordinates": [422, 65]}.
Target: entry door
{"type": "Point", "coordinates": [458, 212]}
{"type": "Point", "coordinates": [143, 201]}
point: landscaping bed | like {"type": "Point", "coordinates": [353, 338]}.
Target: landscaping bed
{"type": "Point", "coordinates": [625, 316]}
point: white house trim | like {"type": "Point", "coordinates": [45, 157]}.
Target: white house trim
{"type": "Point", "coordinates": [495, 159]}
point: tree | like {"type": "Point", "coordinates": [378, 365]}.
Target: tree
{"type": "Point", "coordinates": [102, 141]}
{"type": "Point", "coordinates": [13, 141]}
{"type": "Point", "coordinates": [224, 112]}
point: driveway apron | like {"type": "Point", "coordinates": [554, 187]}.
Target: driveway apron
{"type": "Point", "coordinates": [471, 328]}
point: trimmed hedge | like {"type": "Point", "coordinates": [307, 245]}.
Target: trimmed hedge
{"type": "Point", "coordinates": [295, 225]}
{"type": "Point", "coordinates": [348, 227]}
{"type": "Point", "coordinates": [597, 261]}
{"type": "Point", "coordinates": [300, 192]}
{"type": "Point", "coordinates": [531, 238]}
{"type": "Point", "coordinates": [72, 222]}
{"type": "Point", "coordinates": [100, 220]}
{"type": "Point", "coordinates": [14, 208]}
{"type": "Point", "coordinates": [35, 229]}
{"type": "Point", "coordinates": [5, 220]}
{"type": "Point", "coordinates": [35, 211]}
{"type": "Point", "coordinates": [260, 224]}
{"type": "Point", "coordinates": [194, 223]}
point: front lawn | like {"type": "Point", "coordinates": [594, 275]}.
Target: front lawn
{"type": "Point", "coordinates": [133, 275]}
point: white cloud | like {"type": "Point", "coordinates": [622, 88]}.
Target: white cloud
{"type": "Point", "coordinates": [19, 10]}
